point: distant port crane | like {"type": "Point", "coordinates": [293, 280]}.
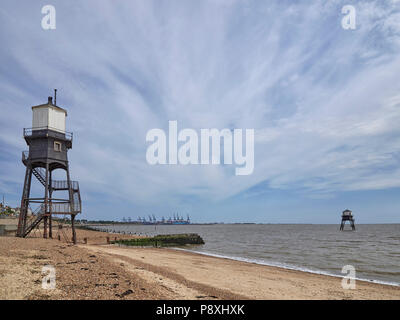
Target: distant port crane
{"type": "Point", "coordinates": [177, 220]}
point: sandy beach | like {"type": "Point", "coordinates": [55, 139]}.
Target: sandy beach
{"type": "Point", "coordinates": [100, 271]}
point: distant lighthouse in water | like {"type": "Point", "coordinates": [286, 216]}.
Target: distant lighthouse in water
{"type": "Point", "coordinates": [48, 146]}
{"type": "Point", "coordinates": [347, 215]}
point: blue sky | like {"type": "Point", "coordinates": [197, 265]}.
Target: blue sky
{"type": "Point", "coordinates": [324, 103]}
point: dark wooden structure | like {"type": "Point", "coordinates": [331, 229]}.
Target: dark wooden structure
{"type": "Point", "coordinates": [347, 215]}
{"type": "Point", "coordinates": [48, 146]}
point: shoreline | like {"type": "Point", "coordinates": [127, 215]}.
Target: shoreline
{"type": "Point", "coordinates": [370, 278]}
{"type": "Point", "coordinates": [285, 267]}
{"type": "Point", "coordinates": [98, 270]}
{"type": "Point", "coordinates": [248, 280]}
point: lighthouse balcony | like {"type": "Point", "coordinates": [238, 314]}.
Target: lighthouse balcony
{"type": "Point", "coordinates": [348, 218]}
{"type": "Point", "coordinates": [41, 132]}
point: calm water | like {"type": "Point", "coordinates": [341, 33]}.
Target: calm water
{"type": "Point", "coordinates": [374, 250]}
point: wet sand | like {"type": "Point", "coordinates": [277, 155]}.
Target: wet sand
{"type": "Point", "coordinates": [247, 280]}
{"type": "Point", "coordinates": [100, 271]}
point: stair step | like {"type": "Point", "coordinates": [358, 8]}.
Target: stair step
{"type": "Point", "coordinates": [33, 224]}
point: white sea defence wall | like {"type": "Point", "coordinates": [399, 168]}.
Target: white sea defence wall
{"type": "Point", "coordinates": [7, 229]}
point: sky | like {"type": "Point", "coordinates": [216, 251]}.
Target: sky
{"type": "Point", "coordinates": [324, 103]}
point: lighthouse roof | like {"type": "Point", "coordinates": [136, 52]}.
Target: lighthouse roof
{"type": "Point", "coordinates": [50, 104]}
{"type": "Point", "coordinates": [347, 212]}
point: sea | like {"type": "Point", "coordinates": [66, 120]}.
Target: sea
{"type": "Point", "coordinates": [373, 249]}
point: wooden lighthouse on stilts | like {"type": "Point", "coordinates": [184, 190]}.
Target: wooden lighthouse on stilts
{"type": "Point", "coordinates": [347, 215]}
{"type": "Point", "coordinates": [48, 146]}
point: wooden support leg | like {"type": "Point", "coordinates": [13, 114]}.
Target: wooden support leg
{"type": "Point", "coordinates": [50, 206]}
{"type": "Point", "coordinates": [45, 228]}
{"type": "Point", "coordinates": [73, 228]}
{"type": "Point", "coordinates": [50, 228]}
{"type": "Point", "coordinates": [46, 201]}
{"type": "Point", "coordinates": [24, 202]}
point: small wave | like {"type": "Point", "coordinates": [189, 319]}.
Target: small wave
{"type": "Point", "coordinates": [284, 266]}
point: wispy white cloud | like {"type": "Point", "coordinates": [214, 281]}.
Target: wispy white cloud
{"type": "Point", "coordinates": [324, 101]}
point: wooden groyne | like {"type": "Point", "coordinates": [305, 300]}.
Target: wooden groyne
{"type": "Point", "coordinates": [166, 240]}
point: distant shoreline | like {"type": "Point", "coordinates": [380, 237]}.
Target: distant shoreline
{"type": "Point", "coordinates": [230, 223]}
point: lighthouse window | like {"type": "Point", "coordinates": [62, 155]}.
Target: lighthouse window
{"type": "Point", "coordinates": [57, 146]}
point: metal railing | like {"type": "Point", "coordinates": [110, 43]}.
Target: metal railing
{"type": "Point", "coordinates": [28, 132]}
{"type": "Point", "coordinates": [63, 185]}
{"type": "Point", "coordinates": [58, 208]}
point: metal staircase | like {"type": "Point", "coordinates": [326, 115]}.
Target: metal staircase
{"type": "Point", "coordinates": [38, 216]}
{"type": "Point", "coordinates": [56, 185]}
{"type": "Point", "coordinates": [38, 173]}
{"type": "Point", "coordinates": [73, 207]}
